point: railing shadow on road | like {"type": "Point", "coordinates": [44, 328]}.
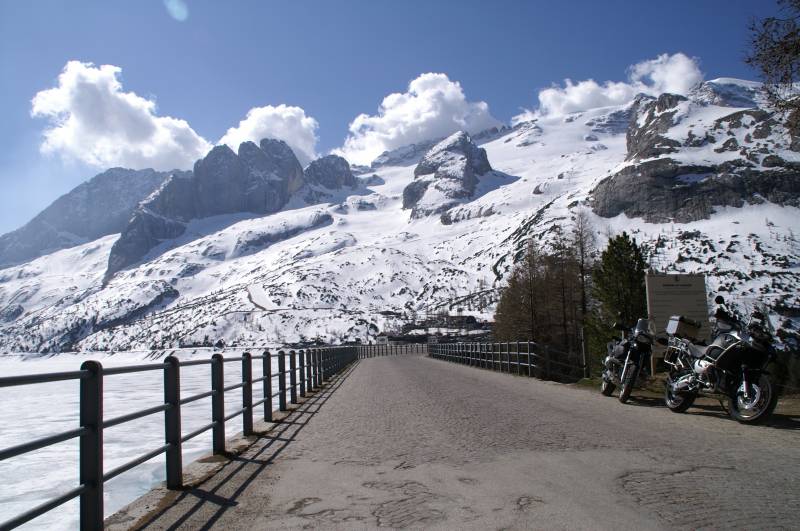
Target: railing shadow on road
{"type": "Point", "coordinates": [780, 421]}
{"type": "Point", "coordinates": [275, 445]}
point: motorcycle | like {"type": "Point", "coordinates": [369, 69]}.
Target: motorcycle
{"type": "Point", "coordinates": [626, 359]}
{"type": "Point", "coordinates": [733, 367]}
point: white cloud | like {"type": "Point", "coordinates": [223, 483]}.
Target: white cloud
{"type": "Point", "coordinates": [177, 9]}
{"type": "Point", "coordinates": [93, 120]}
{"type": "Point", "coordinates": [283, 122]}
{"type": "Point", "coordinates": [675, 73]}
{"type": "Point", "coordinates": [432, 107]}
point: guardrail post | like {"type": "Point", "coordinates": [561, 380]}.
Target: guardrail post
{"type": "Point", "coordinates": [317, 368]}
{"type": "Point", "coordinates": [519, 371]}
{"type": "Point", "coordinates": [302, 355]}
{"type": "Point", "coordinates": [172, 422]}
{"type": "Point", "coordinates": [267, 373]}
{"type": "Point", "coordinates": [247, 394]}
{"type": "Point", "coordinates": [309, 364]}
{"type": "Point", "coordinates": [530, 363]}
{"type": "Point", "coordinates": [91, 446]}
{"type": "Point", "coordinates": [218, 403]}
{"type": "Point", "coordinates": [282, 380]}
{"type": "Point", "coordinates": [292, 377]}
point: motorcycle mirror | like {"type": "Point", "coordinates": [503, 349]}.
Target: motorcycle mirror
{"type": "Point", "coordinates": [719, 299]}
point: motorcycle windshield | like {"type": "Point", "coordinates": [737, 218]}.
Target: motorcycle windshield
{"type": "Point", "coordinates": [643, 326]}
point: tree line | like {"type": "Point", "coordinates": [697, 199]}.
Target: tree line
{"type": "Point", "coordinates": [567, 294]}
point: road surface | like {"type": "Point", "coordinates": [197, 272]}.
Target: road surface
{"type": "Point", "coordinates": [408, 441]}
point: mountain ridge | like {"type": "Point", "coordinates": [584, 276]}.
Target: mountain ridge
{"type": "Point", "coordinates": [334, 265]}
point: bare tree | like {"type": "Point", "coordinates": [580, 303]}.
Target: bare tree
{"type": "Point", "coordinates": [584, 244]}
{"type": "Point", "coordinates": [775, 53]}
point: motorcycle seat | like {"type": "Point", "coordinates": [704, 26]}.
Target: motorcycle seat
{"type": "Point", "coordinates": [698, 351]}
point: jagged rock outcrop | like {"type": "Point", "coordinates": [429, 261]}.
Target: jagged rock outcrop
{"type": "Point", "coordinates": [729, 162]}
{"type": "Point", "coordinates": [260, 179]}
{"type": "Point", "coordinates": [650, 120]}
{"type": "Point", "coordinates": [332, 172]}
{"type": "Point", "coordinates": [446, 175]}
{"type": "Point", "coordinates": [101, 206]}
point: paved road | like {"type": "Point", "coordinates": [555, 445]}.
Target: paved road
{"type": "Point", "coordinates": [421, 443]}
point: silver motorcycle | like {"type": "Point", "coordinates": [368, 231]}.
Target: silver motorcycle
{"type": "Point", "coordinates": [732, 368]}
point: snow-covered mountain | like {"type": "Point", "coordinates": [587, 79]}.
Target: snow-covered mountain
{"type": "Point", "coordinates": [99, 207]}
{"type": "Point", "coordinates": [708, 182]}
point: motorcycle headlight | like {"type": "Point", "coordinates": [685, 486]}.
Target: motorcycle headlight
{"type": "Point", "coordinates": [644, 339]}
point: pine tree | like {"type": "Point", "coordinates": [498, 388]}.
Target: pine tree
{"type": "Point", "coordinates": [618, 284]}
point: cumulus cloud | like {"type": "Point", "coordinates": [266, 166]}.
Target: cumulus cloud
{"type": "Point", "coordinates": [283, 122]}
{"type": "Point", "coordinates": [432, 107]}
{"type": "Point", "coordinates": [92, 119]}
{"type": "Point", "coordinates": [675, 73]}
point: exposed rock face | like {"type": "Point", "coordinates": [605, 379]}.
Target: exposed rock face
{"type": "Point", "coordinates": [650, 119]}
{"type": "Point", "coordinates": [661, 191]}
{"type": "Point", "coordinates": [332, 172]}
{"type": "Point", "coordinates": [101, 206]}
{"type": "Point", "coordinates": [10, 313]}
{"type": "Point", "coordinates": [729, 162]}
{"type": "Point", "coordinates": [260, 179]}
{"type": "Point", "coordinates": [446, 175]}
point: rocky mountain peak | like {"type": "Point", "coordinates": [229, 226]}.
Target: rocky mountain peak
{"type": "Point", "coordinates": [453, 151]}
{"type": "Point", "coordinates": [446, 175]}
{"type": "Point", "coordinates": [332, 172]}
{"type": "Point", "coordinates": [260, 179]}
{"type": "Point", "coordinates": [728, 92]}
{"type": "Point", "coordinates": [100, 206]}
{"type": "Point", "coordinates": [650, 120]}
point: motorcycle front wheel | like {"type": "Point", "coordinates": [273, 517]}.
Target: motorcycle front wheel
{"type": "Point", "coordinates": [628, 379]}
{"type": "Point", "coordinates": [677, 402]}
{"type": "Point", "coordinates": [758, 407]}
{"type": "Point", "coordinates": [606, 388]}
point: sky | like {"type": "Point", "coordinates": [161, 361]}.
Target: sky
{"type": "Point", "coordinates": [88, 85]}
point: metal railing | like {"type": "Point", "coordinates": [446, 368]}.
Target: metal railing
{"type": "Point", "coordinates": [520, 357]}
{"type": "Point", "coordinates": [308, 370]}
{"type": "Point", "coordinates": [373, 351]}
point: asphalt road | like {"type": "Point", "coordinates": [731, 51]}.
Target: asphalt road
{"type": "Point", "coordinates": [414, 442]}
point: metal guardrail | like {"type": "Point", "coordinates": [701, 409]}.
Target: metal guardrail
{"type": "Point", "coordinates": [526, 357]}
{"type": "Point", "coordinates": [308, 370]}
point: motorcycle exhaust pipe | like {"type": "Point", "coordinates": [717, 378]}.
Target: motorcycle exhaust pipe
{"type": "Point", "coordinates": [686, 383]}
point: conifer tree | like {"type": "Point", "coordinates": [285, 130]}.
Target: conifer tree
{"type": "Point", "coordinates": [619, 281]}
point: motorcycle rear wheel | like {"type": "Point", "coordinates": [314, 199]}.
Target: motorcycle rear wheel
{"type": "Point", "coordinates": [677, 402]}
{"type": "Point", "coordinates": [743, 411]}
{"type": "Point", "coordinates": [607, 388]}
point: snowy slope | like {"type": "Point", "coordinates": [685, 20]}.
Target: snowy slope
{"type": "Point", "coordinates": [327, 270]}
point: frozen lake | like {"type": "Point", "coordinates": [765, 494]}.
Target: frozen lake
{"type": "Point", "coordinates": [32, 411]}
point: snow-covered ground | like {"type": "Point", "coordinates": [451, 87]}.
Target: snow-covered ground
{"type": "Point", "coordinates": [34, 411]}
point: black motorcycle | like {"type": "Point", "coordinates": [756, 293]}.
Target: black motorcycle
{"type": "Point", "coordinates": [627, 359]}
{"type": "Point", "coordinates": [733, 367]}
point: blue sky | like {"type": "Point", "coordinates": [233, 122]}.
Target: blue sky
{"type": "Point", "coordinates": [327, 61]}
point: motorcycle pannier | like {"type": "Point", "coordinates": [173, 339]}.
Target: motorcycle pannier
{"type": "Point", "coordinates": [683, 327]}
